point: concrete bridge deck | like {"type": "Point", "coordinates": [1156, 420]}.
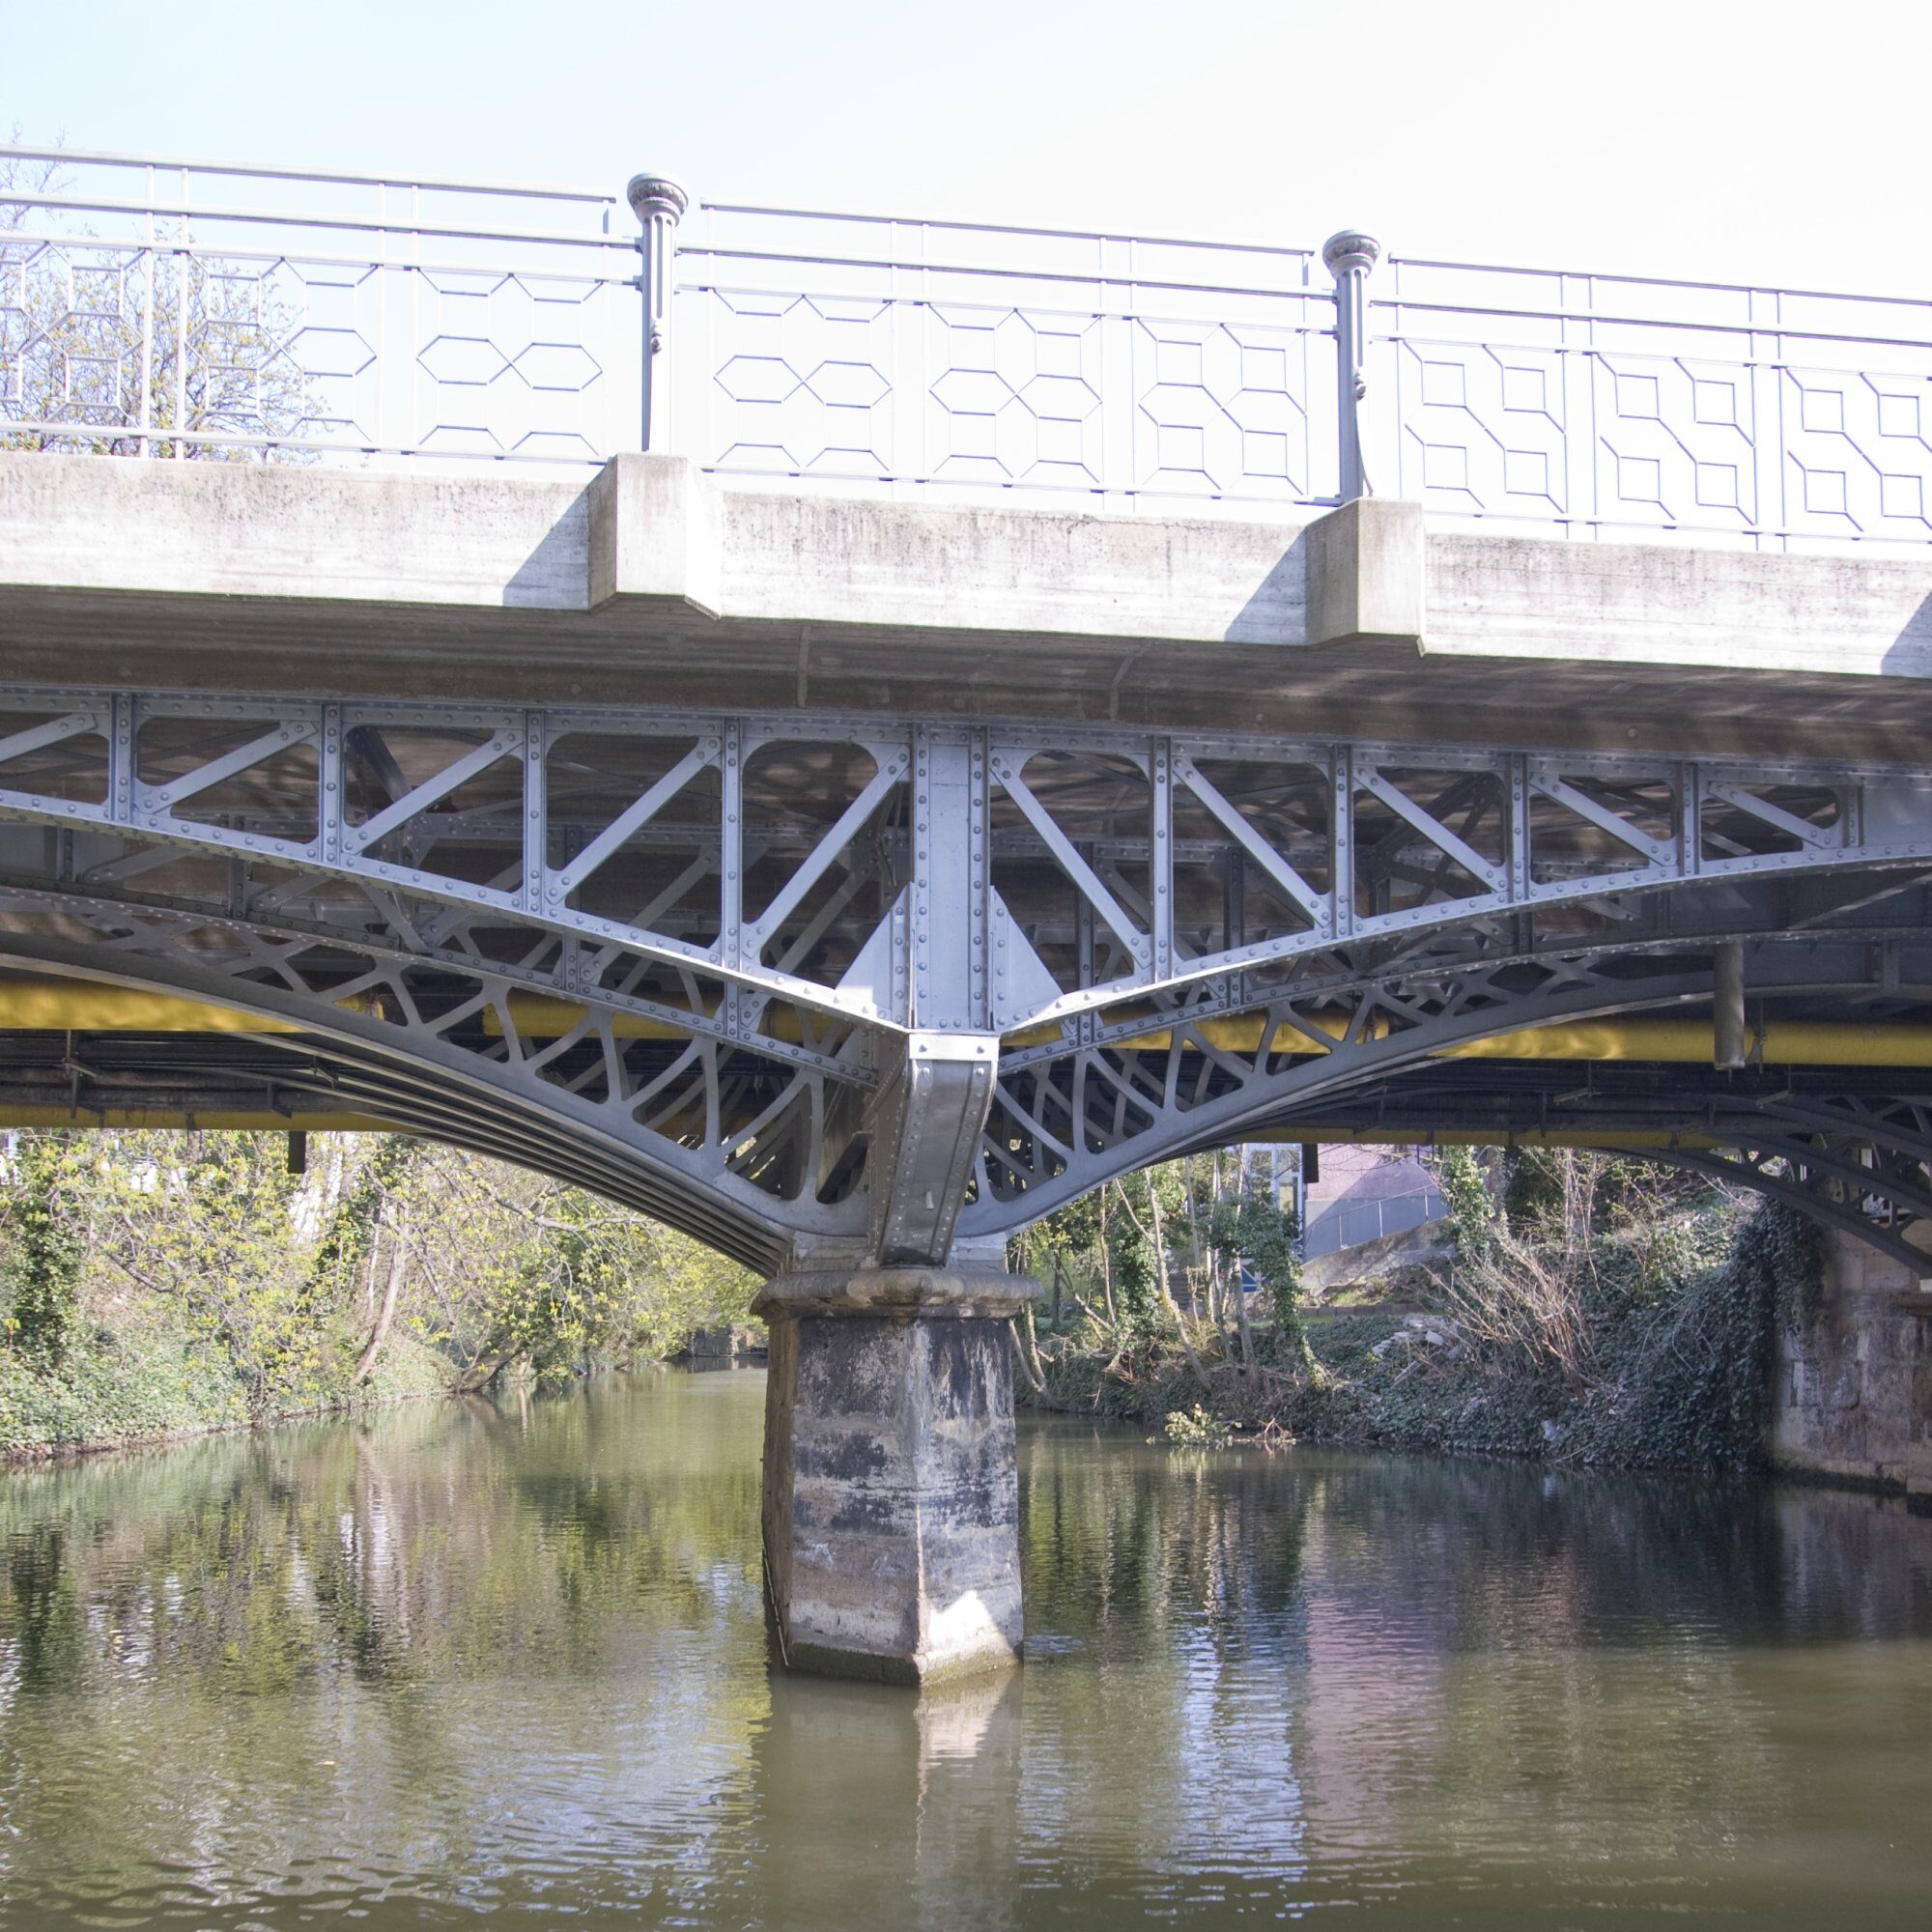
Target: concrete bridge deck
{"type": "Point", "coordinates": [658, 579]}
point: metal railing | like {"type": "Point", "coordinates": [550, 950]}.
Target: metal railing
{"type": "Point", "coordinates": [942, 355]}
{"type": "Point", "coordinates": [182, 308]}
{"type": "Point", "coordinates": [1353, 1224]}
{"type": "Point", "coordinates": [187, 308]}
{"type": "Point", "coordinates": [1621, 406]}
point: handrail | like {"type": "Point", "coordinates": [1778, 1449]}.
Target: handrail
{"type": "Point", "coordinates": [1396, 262]}
{"type": "Point", "coordinates": [1600, 319]}
{"type": "Point", "coordinates": [1216, 242]}
{"type": "Point", "coordinates": [345, 223]}
{"type": "Point", "coordinates": [1002, 274]}
{"type": "Point", "coordinates": [173, 244]}
{"type": "Point", "coordinates": [176, 164]}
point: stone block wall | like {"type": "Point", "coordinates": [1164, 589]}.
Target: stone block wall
{"type": "Point", "coordinates": [1854, 1398]}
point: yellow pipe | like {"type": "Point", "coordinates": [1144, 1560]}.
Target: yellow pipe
{"type": "Point", "coordinates": [1687, 1041]}
{"type": "Point", "coordinates": [1241, 1034]}
{"type": "Point", "coordinates": [1781, 1044]}
{"type": "Point", "coordinates": [1635, 1140]}
{"type": "Point", "coordinates": [45, 1003]}
{"type": "Point", "coordinates": [49, 1003]}
{"type": "Point", "coordinates": [545, 1017]}
{"type": "Point", "coordinates": [27, 1115]}
{"type": "Point", "coordinates": [35, 1002]}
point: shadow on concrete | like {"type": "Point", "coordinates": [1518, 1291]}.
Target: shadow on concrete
{"type": "Point", "coordinates": [1276, 611]}
{"type": "Point", "coordinates": [1910, 653]}
{"type": "Point", "coordinates": [555, 576]}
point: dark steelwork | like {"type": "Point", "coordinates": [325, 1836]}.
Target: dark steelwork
{"type": "Point", "coordinates": [877, 988]}
{"type": "Point", "coordinates": [1727, 1006]}
{"type": "Point", "coordinates": [1848, 1146]}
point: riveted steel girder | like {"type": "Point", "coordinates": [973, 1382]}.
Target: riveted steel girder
{"type": "Point", "coordinates": [818, 979]}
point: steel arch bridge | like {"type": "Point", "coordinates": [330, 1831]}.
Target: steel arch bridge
{"type": "Point", "coordinates": [868, 986]}
{"type": "Point", "coordinates": [789, 723]}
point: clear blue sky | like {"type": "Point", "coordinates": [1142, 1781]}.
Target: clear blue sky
{"type": "Point", "coordinates": [1768, 142]}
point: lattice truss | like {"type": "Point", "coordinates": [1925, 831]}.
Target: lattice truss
{"type": "Point", "coordinates": [1847, 1143]}
{"type": "Point", "coordinates": [873, 984]}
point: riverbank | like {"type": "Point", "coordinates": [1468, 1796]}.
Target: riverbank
{"type": "Point", "coordinates": [1646, 1344]}
{"type": "Point", "coordinates": [150, 1384]}
{"type": "Point", "coordinates": [155, 1287]}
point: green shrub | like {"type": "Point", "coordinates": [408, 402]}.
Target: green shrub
{"type": "Point", "coordinates": [1196, 1428]}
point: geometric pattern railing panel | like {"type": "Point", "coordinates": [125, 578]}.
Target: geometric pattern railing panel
{"type": "Point", "coordinates": [215, 311]}
{"type": "Point", "coordinates": [945, 355]}
{"type": "Point", "coordinates": [1647, 409]}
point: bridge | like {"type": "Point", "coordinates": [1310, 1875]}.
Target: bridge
{"type": "Point", "coordinates": [845, 733]}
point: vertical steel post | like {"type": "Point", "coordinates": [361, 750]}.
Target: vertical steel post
{"type": "Point", "coordinates": [182, 287]}
{"type": "Point", "coordinates": [151, 269]}
{"type": "Point", "coordinates": [658, 202]}
{"type": "Point", "coordinates": [1728, 1041]}
{"type": "Point", "coordinates": [1349, 256]}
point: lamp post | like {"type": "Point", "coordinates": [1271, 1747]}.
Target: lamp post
{"type": "Point", "coordinates": [1349, 256]}
{"type": "Point", "coordinates": [658, 201]}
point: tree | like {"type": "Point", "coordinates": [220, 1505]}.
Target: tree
{"type": "Point", "coordinates": [1253, 1229]}
{"type": "Point", "coordinates": [392, 1262]}
{"type": "Point", "coordinates": [48, 1246]}
{"type": "Point", "coordinates": [102, 339]}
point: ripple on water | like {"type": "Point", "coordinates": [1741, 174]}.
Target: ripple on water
{"type": "Point", "coordinates": [460, 1664]}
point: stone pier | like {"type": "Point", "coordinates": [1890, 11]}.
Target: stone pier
{"type": "Point", "coordinates": [1855, 1375]}
{"type": "Point", "coordinates": [891, 1497]}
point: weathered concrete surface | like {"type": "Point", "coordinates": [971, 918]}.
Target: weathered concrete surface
{"type": "Point", "coordinates": [277, 531]}
{"type": "Point", "coordinates": [892, 1496]}
{"type": "Point", "coordinates": [1369, 1261]}
{"type": "Point", "coordinates": [654, 537]}
{"type": "Point", "coordinates": [1851, 613]}
{"type": "Point", "coordinates": [653, 578]}
{"type": "Point", "coordinates": [1368, 576]}
{"type": "Point", "coordinates": [1854, 1377]}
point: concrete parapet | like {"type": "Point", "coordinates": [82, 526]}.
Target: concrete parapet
{"type": "Point", "coordinates": [655, 534]}
{"type": "Point", "coordinates": [891, 1497]}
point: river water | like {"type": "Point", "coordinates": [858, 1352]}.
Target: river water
{"type": "Point", "coordinates": [462, 1664]}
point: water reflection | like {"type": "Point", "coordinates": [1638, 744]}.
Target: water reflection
{"type": "Point", "coordinates": [464, 1660]}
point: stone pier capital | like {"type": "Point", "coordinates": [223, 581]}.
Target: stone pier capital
{"type": "Point", "coordinates": [929, 1293]}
